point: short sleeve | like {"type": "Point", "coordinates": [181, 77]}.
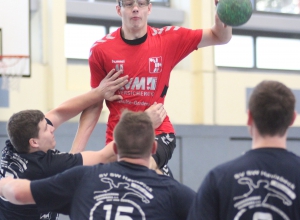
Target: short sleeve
{"type": "Point", "coordinates": [56, 162]}
{"type": "Point", "coordinates": [56, 193]}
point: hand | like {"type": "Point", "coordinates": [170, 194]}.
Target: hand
{"type": "Point", "coordinates": [157, 113]}
{"type": "Point", "coordinates": [111, 83]}
{"type": "Point", "coordinates": [219, 22]}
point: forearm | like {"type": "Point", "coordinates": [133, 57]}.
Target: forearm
{"type": "Point", "coordinates": [105, 155]}
{"type": "Point", "coordinates": [87, 123]}
{"type": "Point", "coordinates": [217, 35]}
{"type": "Point", "coordinates": [17, 191]}
{"type": "Point", "coordinates": [73, 107]}
{"type": "Point", "coordinates": [222, 33]}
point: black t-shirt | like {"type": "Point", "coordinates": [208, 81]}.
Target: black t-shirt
{"type": "Point", "coordinates": [32, 166]}
{"type": "Point", "coordinates": [262, 184]}
{"type": "Point", "coordinates": [116, 190]}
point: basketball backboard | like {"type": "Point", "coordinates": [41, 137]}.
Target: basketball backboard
{"type": "Point", "coordinates": [15, 37]}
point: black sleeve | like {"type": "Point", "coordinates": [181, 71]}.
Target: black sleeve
{"type": "Point", "coordinates": [56, 193]}
{"type": "Point", "coordinates": [58, 162]}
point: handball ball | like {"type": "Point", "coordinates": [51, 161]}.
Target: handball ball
{"type": "Point", "coordinates": [234, 12]}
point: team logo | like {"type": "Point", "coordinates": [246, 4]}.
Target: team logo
{"type": "Point", "coordinates": [121, 200]}
{"type": "Point", "coordinates": [155, 65]}
{"type": "Point", "coordinates": [263, 200]}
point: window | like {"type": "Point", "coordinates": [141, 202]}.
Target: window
{"type": "Point", "coordinates": [112, 29]}
{"type": "Point", "coordinates": [237, 53]}
{"type": "Point", "coordinates": [261, 50]}
{"type": "Point", "coordinates": [0, 42]}
{"type": "Point", "coordinates": [278, 53]}
{"type": "Point", "coordinates": [278, 6]}
{"type": "Point", "coordinates": [79, 38]}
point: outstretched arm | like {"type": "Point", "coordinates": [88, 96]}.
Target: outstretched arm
{"type": "Point", "coordinates": [90, 115]}
{"type": "Point", "coordinates": [88, 120]}
{"type": "Point", "coordinates": [16, 191]}
{"type": "Point", "coordinates": [105, 155]}
{"type": "Point", "coordinates": [72, 107]}
{"type": "Point", "coordinates": [218, 34]}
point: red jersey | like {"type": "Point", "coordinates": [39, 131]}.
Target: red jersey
{"type": "Point", "coordinates": [148, 66]}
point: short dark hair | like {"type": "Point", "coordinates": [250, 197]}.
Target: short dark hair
{"type": "Point", "coordinates": [23, 126]}
{"type": "Point", "coordinates": [272, 105]}
{"type": "Point", "coordinates": [134, 135]}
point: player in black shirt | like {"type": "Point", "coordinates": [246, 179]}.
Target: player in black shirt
{"type": "Point", "coordinates": [30, 153]}
{"type": "Point", "coordinates": [264, 183]}
{"type": "Point", "coordinates": [126, 189]}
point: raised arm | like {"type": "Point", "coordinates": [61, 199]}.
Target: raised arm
{"type": "Point", "coordinates": [72, 107]}
{"type": "Point", "coordinates": [218, 34]}
{"type": "Point", "coordinates": [90, 115]}
{"type": "Point", "coordinates": [87, 123]}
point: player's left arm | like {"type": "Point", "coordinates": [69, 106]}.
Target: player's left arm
{"type": "Point", "coordinates": [217, 35]}
{"type": "Point", "coordinates": [16, 191]}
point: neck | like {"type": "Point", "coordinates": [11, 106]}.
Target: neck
{"type": "Point", "coordinates": [138, 161]}
{"type": "Point", "coordinates": [269, 141]}
{"type": "Point", "coordinates": [132, 34]}
{"type": "Point", "coordinates": [33, 149]}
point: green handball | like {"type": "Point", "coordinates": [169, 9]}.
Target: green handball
{"type": "Point", "coordinates": [234, 12]}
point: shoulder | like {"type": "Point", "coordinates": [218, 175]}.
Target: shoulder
{"type": "Point", "coordinates": [163, 30]}
{"type": "Point", "coordinates": [107, 40]}
{"type": "Point", "coordinates": [56, 154]}
{"type": "Point", "coordinates": [227, 169]}
{"type": "Point", "coordinates": [170, 30]}
{"type": "Point", "coordinates": [175, 186]}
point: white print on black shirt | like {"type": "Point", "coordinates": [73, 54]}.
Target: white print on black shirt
{"type": "Point", "coordinates": [12, 164]}
{"type": "Point", "coordinates": [47, 216]}
{"type": "Point", "coordinates": [259, 193]}
{"type": "Point", "coordinates": [116, 201]}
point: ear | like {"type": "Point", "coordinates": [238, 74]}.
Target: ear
{"type": "Point", "coordinates": [250, 118]}
{"type": "Point", "coordinates": [154, 147]}
{"type": "Point", "coordinates": [118, 9]}
{"type": "Point", "coordinates": [294, 118]}
{"type": "Point", "coordinates": [149, 8]}
{"type": "Point", "coordinates": [33, 142]}
{"type": "Point", "coordinates": [115, 148]}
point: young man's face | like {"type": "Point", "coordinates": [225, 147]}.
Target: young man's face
{"type": "Point", "coordinates": [134, 13]}
{"type": "Point", "coordinates": [46, 139]}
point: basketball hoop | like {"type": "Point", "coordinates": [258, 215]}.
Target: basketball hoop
{"type": "Point", "coordinates": [12, 68]}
